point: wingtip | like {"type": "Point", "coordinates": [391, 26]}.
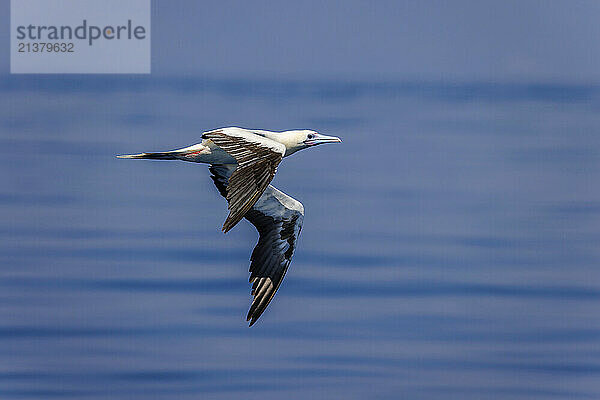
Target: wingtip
{"type": "Point", "coordinates": [227, 225]}
{"type": "Point", "coordinates": [250, 317]}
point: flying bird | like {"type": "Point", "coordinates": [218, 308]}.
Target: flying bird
{"type": "Point", "coordinates": [242, 165]}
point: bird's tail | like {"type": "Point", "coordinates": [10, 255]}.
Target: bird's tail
{"type": "Point", "coordinates": [166, 155]}
{"type": "Point", "coordinates": [191, 153]}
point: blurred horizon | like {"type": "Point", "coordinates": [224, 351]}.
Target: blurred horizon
{"type": "Point", "coordinates": [464, 40]}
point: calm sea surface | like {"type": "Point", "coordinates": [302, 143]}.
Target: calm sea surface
{"type": "Point", "coordinates": [450, 248]}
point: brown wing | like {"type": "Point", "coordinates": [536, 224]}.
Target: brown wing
{"type": "Point", "coordinates": [257, 159]}
{"type": "Point", "coordinates": [278, 220]}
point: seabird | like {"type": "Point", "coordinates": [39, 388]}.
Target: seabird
{"type": "Point", "coordinates": [243, 163]}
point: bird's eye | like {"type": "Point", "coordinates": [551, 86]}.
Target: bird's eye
{"type": "Point", "coordinates": [311, 136]}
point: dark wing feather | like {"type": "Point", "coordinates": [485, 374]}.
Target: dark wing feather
{"type": "Point", "coordinates": [278, 220]}
{"type": "Point", "coordinates": [220, 176]}
{"type": "Point", "coordinates": [257, 159]}
{"type": "Point", "coordinates": [271, 256]}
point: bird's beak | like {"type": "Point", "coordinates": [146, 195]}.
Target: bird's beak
{"type": "Point", "coordinates": [320, 139]}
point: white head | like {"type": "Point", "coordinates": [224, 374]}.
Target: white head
{"type": "Point", "coordinates": [301, 139]}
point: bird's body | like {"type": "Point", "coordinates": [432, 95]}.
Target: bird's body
{"type": "Point", "coordinates": [208, 152]}
{"type": "Point", "coordinates": [243, 163]}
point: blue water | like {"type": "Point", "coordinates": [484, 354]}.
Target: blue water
{"type": "Point", "coordinates": [449, 249]}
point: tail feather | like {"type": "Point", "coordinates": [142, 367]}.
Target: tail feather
{"type": "Point", "coordinates": [169, 155]}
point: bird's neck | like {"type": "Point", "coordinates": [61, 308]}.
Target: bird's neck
{"type": "Point", "coordinates": [288, 139]}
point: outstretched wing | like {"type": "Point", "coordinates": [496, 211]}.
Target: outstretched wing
{"type": "Point", "coordinates": [257, 160]}
{"type": "Point", "coordinates": [278, 220]}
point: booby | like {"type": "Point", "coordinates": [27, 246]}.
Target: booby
{"type": "Point", "coordinates": [242, 165]}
